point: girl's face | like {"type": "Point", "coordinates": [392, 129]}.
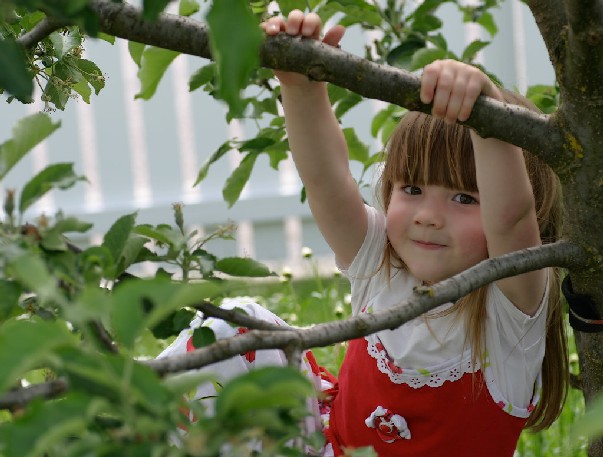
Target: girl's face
{"type": "Point", "coordinates": [436, 231]}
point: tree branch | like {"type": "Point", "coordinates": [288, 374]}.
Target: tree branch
{"type": "Point", "coordinates": [21, 397]}
{"type": "Point", "coordinates": [536, 133]}
{"type": "Point", "coordinates": [231, 315]}
{"type": "Point", "coordinates": [40, 31]}
{"type": "Point", "coordinates": [564, 254]}
{"type": "Point", "coordinates": [292, 341]}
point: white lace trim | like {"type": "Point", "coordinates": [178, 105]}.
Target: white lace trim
{"type": "Point", "coordinates": [435, 376]}
{"type": "Point", "coordinates": [451, 370]}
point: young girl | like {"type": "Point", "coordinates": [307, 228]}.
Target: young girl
{"type": "Point", "coordinates": [466, 379]}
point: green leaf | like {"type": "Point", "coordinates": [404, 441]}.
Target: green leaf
{"type": "Point", "coordinates": [141, 304]}
{"type": "Point", "coordinates": [188, 7]}
{"type": "Point", "coordinates": [263, 388]}
{"type": "Point", "coordinates": [202, 76]}
{"type": "Point", "coordinates": [347, 103]}
{"type": "Point", "coordinates": [236, 49]}
{"type": "Point", "coordinates": [473, 48]}
{"type": "Point", "coordinates": [64, 43]}
{"type": "Point", "coordinates": [56, 93]}
{"type": "Point", "coordinates": [91, 73]}
{"type": "Point", "coordinates": [32, 272]}
{"type": "Point", "coordinates": [105, 37]}
{"type": "Point", "coordinates": [116, 239]}
{"type": "Point", "coordinates": [236, 181]}
{"type": "Point", "coordinates": [243, 266]}
{"type": "Point", "coordinates": [401, 55]}
{"type": "Point", "coordinates": [153, 66]}
{"type": "Point", "coordinates": [27, 133]}
{"type": "Point", "coordinates": [136, 49]}
{"type": "Point", "coordinates": [486, 20]}
{"type": "Point", "coordinates": [223, 149]}
{"type": "Point", "coordinates": [286, 6]}
{"type": "Point", "coordinates": [425, 56]}
{"type": "Point", "coordinates": [152, 8]}
{"type": "Point", "coordinates": [426, 23]}
{"type": "Point", "coordinates": [357, 149]}
{"type": "Point", "coordinates": [58, 175]}
{"type": "Point", "coordinates": [203, 336]}
{"type": "Point", "coordinates": [46, 425]}
{"type": "Point", "coordinates": [26, 344]}
{"type": "Point", "coordinates": [10, 292]}
{"type": "Point", "coordinates": [15, 76]}
{"type": "Point", "coordinates": [162, 233]}
{"type": "Point", "coordinates": [257, 144]}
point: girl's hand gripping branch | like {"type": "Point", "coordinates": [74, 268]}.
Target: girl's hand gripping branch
{"type": "Point", "coordinates": [308, 26]}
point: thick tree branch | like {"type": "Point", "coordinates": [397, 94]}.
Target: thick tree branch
{"type": "Point", "coordinates": [583, 65]}
{"type": "Point", "coordinates": [562, 254]}
{"type": "Point", "coordinates": [519, 126]}
{"type": "Point", "coordinates": [41, 30]}
{"type": "Point", "coordinates": [552, 23]}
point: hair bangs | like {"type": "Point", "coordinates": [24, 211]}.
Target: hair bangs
{"type": "Point", "coordinates": [427, 151]}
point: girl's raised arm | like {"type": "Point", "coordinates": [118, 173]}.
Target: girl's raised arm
{"type": "Point", "coordinates": [505, 194]}
{"type": "Point", "coordinates": [318, 146]}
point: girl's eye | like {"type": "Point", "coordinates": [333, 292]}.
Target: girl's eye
{"type": "Point", "coordinates": [411, 190]}
{"type": "Point", "coordinates": [464, 199]}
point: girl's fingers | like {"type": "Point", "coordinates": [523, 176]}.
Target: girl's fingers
{"type": "Point", "coordinates": [457, 99]}
{"type": "Point", "coordinates": [273, 25]}
{"type": "Point", "coordinates": [473, 89]}
{"type": "Point", "coordinates": [443, 90]}
{"type": "Point", "coordinates": [334, 35]}
{"type": "Point", "coordinates": [429, 81]}
{"type": "Point", "coordinates": [311, 26]}
{"type": "Point", "coordinates": [294, 22]}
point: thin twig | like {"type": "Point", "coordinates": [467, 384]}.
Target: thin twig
{"type": "Point", "coordinates": [236, 317]}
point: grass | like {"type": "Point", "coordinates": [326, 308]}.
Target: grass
{"type": "Point", "coordinates": [315, 299]}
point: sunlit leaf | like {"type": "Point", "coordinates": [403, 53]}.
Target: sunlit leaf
{"type": "Point", "coordinates": [64, 43]}
{"type": "Point", "coordinates": [59, 175]}
{"type": "Point", "coordinates": [356, 148]}
{"type": "Point", "coordinates": [219, 153]}
{"type": "Point", "coordinates": [236, 181]}
{"type": "Point", "coordinates": [242, 266]}
{"type": "Point", "coordinates": [27, 133]}
{"type": "Point", "coordinates": [188, 7]}
{"type": "Point", "coordinates": [153, 65]}
{"type": "Point", "coordinates": [472, 49]}
{"type": "Point", "coordinates": [425, 56]}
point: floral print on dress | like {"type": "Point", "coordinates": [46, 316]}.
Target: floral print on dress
{"type": "Point", "coordinates": [390, 427]}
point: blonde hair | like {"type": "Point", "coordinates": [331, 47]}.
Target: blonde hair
{"type": "Point", "coordinates": [423, 150]}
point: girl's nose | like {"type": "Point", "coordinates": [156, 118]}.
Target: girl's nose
{"type": "Point", "coordinates": [430, 214]}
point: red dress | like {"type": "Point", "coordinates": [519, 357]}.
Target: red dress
{"type": "Point", "coordinates": [458, 418]}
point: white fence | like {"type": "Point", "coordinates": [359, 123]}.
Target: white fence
{"type": "Point", "coordinates": [144, 155]}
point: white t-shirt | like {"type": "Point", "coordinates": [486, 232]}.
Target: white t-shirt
{"type": "Point", "coordinates": [434, 350]}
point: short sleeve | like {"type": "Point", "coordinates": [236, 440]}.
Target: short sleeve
{"type": "Point", "coordinates": [366, 264]}
{"type": "Point", "coordinates": [515, 343]}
